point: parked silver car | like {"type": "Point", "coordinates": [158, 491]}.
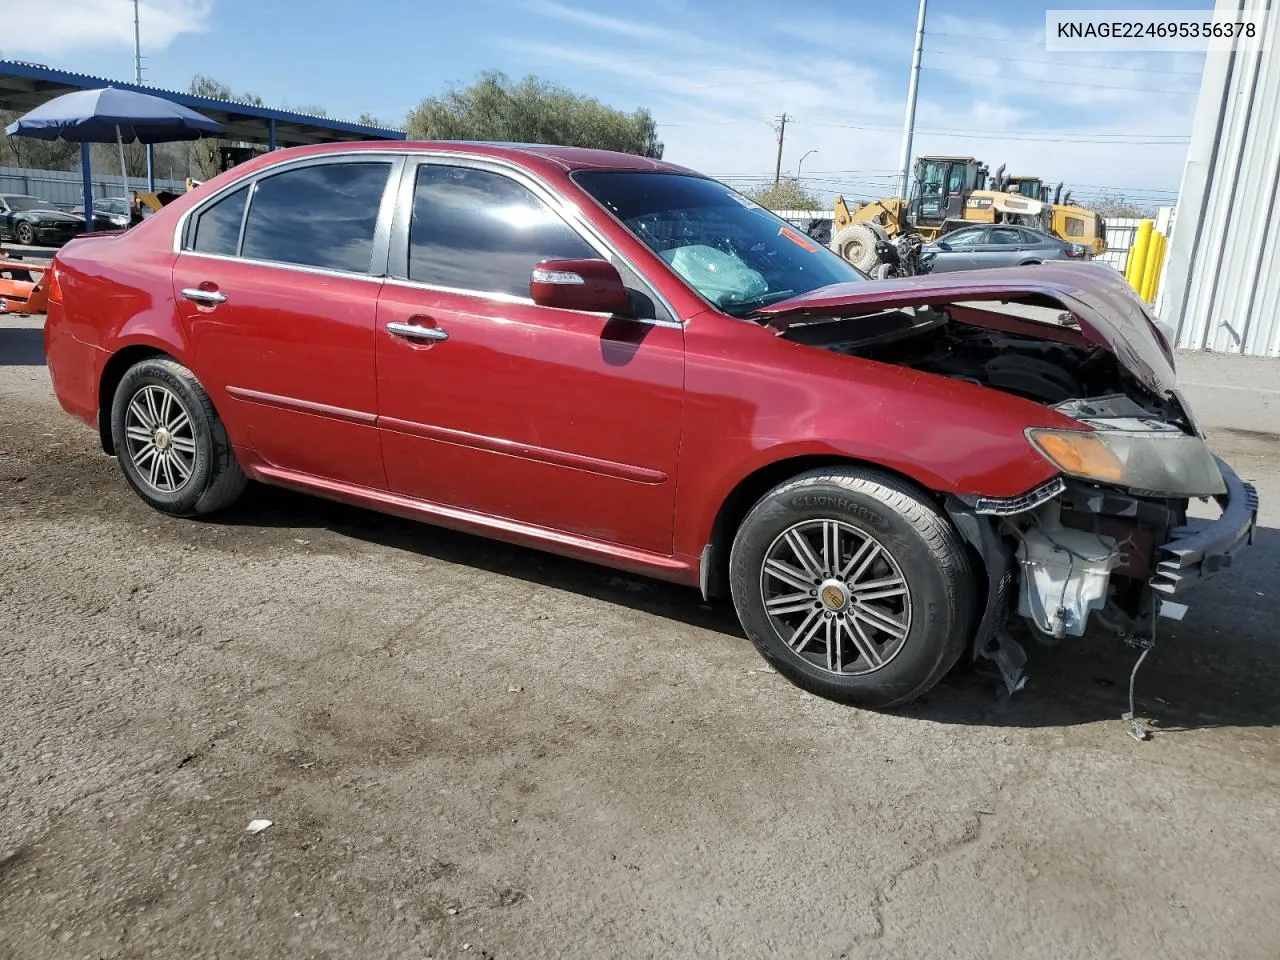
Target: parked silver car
{"type": "Point", "coordinates": [971, 248]}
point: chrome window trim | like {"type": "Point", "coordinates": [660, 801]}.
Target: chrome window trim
{"type": "Point", "coordinates": [520, 301]}
{"type": "Point", "coordinates": [281, 265]}
{"type": "Point", "coordinates": [394, 157]}
{"type": "Point", "coordinates": [409, 161]}
{"type": "Point", "coordinates": [250, 190]}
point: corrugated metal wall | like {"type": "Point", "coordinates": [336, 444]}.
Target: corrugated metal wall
{"type": "Point", "coordinates": [1221, 286]}
{"type": "Point", "coordinates": [65, 190]}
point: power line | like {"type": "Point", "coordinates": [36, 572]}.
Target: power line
{"type": "Point", "coordinates": [1064, 83]}
{"type": "Point", "coordinates": [1059, 63]}
{"type": "Point", "coordinates": [1043, 136]}
{"type": "Point", "coordinates": [1049, 136]}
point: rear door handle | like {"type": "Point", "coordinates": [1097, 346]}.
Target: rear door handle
{"type": "Point", "coordinates": [210, 297]}
{"type": "Point", "coordinates": [411, 331]}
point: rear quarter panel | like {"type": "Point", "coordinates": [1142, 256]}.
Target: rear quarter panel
{"type": "Point", "coordinates": [113, 292]}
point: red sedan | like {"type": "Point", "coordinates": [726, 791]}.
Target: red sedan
{"type": "Point", "coordinates": [620, 360]}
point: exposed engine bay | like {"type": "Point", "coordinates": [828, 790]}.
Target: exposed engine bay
{"type": "Point", "coordinates": [1100, 544]}
{"type": "Point", "coordinates": [1048, 371]}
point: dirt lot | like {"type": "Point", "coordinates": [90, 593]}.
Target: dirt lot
{"type": "Point", "coordinates": [474, 750]}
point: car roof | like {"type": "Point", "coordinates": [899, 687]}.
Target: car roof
{"type": "Point", "coordinates": [22, 196]}
{"type": "Point", "coordinates": [566, 158]}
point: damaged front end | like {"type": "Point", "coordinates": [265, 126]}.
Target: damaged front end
{"type": "Point", "coordinates": [1075, 553]}
{"type": "Point", "coordinates": [1108, 541]}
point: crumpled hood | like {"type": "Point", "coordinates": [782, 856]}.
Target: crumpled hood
{"type": "Point", "coordinates": [1104, 306]}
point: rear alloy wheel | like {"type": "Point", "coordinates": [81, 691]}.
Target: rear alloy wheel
{"type": "Point", "coordinates": [25, 234]}
{"type": "Point", "coordinates": [170, 442]}
{"type": "Point", "coordinates": [853, 586]}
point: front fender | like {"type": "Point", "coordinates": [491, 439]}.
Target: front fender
{"type": "Point", "coordinates": [778, 402]}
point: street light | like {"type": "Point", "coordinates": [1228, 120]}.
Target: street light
{"type": "Point", "coordinates": [801, 163]}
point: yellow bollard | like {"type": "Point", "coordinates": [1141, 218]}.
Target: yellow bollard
{"type": "Point", "coordinates": [1138, 254]}
{"type": "Point", "coordinates": [1164, 255]}
{"type": "Point", "coordinates": [1151, 267]}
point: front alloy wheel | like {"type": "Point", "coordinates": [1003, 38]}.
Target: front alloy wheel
{"type": "Point", "coordinates": [836, 596]}
{"type": "Point", "coordinates": [854, 585]}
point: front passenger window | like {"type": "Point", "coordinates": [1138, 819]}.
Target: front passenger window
{"type": "Point", "coordinates": [478, 230]}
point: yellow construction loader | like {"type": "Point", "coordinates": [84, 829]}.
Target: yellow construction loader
{"type": "Point", "coordinates": [950, 192]}
{"type": "Point", "coordinates": [1067, 221]}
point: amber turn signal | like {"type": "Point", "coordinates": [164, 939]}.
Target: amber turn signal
{"type": "Point", "coordinates": [1079, 453]}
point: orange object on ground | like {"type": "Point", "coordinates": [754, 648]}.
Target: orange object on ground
{"type": "Point", "coordinates": [22, 285]}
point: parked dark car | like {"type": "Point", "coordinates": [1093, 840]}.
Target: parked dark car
{"type": "Point", "coordinates": [617, 359]}
{"type": "Point", "coordinates": [972, 248]}
{"type": "Point", "coordinates": [109, 213]}
{"type": "Point", "coordinates": [33, 220]}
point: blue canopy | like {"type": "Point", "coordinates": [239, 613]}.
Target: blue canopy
{"type": "Point", "coordinates": [109, 115]}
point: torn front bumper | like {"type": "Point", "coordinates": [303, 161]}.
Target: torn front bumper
{"type": "Point", "coordinates": [1198, 552]}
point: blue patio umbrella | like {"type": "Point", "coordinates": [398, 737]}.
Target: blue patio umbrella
{"type": "Point", "coordinates": [110, 114]}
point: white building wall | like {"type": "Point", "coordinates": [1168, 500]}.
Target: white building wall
{"type": "Point", "coordinates": [1221, 286]}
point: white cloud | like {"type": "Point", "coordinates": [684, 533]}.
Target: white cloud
{"type": "Point", "coordinates": [596, 21]}
{"type": "Point", "coordinates": [35, 30]}
{"type": "Point", "coordinates": [715, 96]}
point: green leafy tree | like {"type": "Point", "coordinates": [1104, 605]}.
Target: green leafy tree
{"type": "Point", "coordinates": [531, 111]}
{"type": "Point", "coordinates": [784, 195]}
{"type": "Point", "coordinates": [1117, 207]}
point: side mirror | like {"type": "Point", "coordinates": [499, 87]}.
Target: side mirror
{"type": "Point", "coordinates": [942, 245]}
{"type": "Point", "coordinates": [591, 285]}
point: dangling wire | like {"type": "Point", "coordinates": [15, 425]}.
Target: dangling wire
{"type": "Point", "coordinates": [1136, 729]}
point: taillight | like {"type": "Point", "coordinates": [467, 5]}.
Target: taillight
{"type": "Point", "coordinates": [1075, 251]}
{"type": "Point", "coordinates": [55, 294]}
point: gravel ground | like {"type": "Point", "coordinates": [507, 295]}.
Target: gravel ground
{"type": "Point", "coordinates": [468, 749]}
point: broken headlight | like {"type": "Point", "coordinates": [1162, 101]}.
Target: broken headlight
{"type": "Point", "coordinates": [1158, 463]}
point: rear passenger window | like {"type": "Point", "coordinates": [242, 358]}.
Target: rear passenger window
{"type": "Point", "coordinates": [317, 216]}
{"type": "Point", "coordinates": [217, 228]}
{"type": "Point", "coordinates": [477, 230]}
{"type": "Point", "coordinates": [1006, 237]}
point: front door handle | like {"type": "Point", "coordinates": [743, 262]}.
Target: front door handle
{"type": "Point", "coordinates": [210, 297]}
{"type": "Point", "coordinates": [411, 331]}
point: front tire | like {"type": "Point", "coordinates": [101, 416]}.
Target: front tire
{"type": "Point", "coordinates": [853, 586]}
{"type": "Point", "coordinates": [170, 441]}
{"type": "Point", "coordinates": [25, 234]}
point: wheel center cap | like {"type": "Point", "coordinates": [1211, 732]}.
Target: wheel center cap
{"type": "Point", "coordinates": [162, 439]}
{"type": "Point", "coordinates": [834, 595]}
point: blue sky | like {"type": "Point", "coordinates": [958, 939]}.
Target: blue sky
{"type": "Point", "coordinates": [715, 74]}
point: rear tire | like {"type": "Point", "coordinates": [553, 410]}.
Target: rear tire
{"type": "Point", "coordinates": [885, 606]}
{"type": "Point", "coordinates": [170, 441]}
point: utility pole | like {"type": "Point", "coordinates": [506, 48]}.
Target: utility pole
{"type": "Point", "coordinates": [908, 129]}
{"type": "Point", "coordinates": [137, 46]}
{"type": "Point", "coordinates": [777, 164]}
{"type": "Point", "coordinates": [137, 78]}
